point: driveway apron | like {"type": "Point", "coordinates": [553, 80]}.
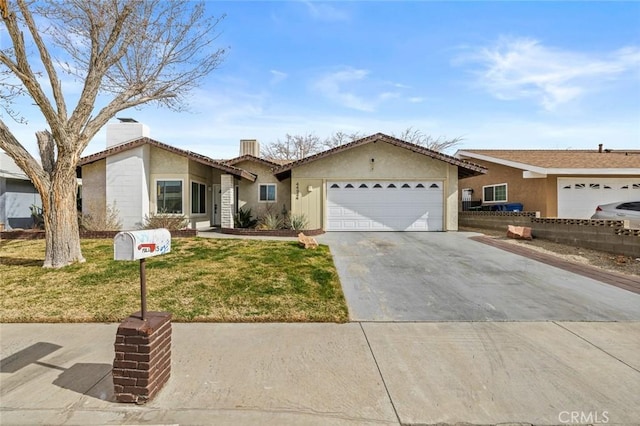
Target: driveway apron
{"type": "Point", "coordinates": [439, 276]}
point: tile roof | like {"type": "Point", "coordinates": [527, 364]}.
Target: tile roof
{"type": "Point", "coordinates": [465, 168]}
{"type": "Point", "coordinates": [563, 159]}
{"type": "Point", "coordinates": [248, 157]}
{"type": "Point", "coordinates": [190, 155]}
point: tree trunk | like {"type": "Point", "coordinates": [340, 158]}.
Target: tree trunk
{"type": "Point", "coordinates": [61, 221]}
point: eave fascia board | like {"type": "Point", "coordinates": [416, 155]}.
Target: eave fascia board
{"type": "Point", "coordinates": [592, 171]}
{"type": "Point", "coordinates": [527, 174]}
{"type": "Point", "coordinates": [535, 170]}
{"type": "Point", "coordinates": [508, 163]}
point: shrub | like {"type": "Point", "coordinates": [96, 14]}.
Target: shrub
{"type": "Point", "coordinates": [271, 221]}
{"type": "Point", "coordinates": [103, 221]}
{"type": "Point", "coordinates": [244, 219]}
{"type": "Point", "coordinates": [170, 221]}
{"type": "Point", "coordinates": [298, 222]}
{"type": "Point", "coordinates": [37, 216]}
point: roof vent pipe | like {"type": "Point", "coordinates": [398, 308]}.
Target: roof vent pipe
{"type": "Point", "coordinates": [600, 148]}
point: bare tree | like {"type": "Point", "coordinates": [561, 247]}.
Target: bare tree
{"type": "Point", "coordinates": [293, 147]}
{"type": "Point", "coordinates": [340, 138]}
{"type": "Point", "coordinates": [131, 52]}
{"type": "Point", "coordinates": [418, 137]}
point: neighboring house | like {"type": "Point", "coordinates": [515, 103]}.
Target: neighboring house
{"type": "Point", "coordinates": [375, 183]}
{"type": "Point", "coordinates": [17, 195]}
{"type": "Point", "coordinates": [557, 183]}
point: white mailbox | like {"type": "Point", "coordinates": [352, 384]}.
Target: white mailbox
{"type": "Point", "coordinates": [136, 245]}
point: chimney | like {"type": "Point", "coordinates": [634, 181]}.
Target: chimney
{"type": "Point", "coordinates": [600, 148]}
{"type": "Point", "coordinates": [126, 130]}
{"type": "Point", "coordinates": [249, 147]}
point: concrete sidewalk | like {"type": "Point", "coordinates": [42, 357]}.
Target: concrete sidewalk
{"type": "Point", "coordinates": [357, 373]}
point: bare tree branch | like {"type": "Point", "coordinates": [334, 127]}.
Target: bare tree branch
{"type": "Point", "coordinates": [47, 147]}
{"type": "Point", "coordinates": [20, 67]}
{"type": "Point", "coordinates": [46, 60]}
{"type": "Point", "coordinates": [22, 158]}
{"type": "Point", "coordinates": [295, 147]}
{"type": "Point", "coordinates": [418, 137]}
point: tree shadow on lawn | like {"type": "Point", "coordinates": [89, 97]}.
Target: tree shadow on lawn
{"type": "Point", "coordinates": [19, 261]}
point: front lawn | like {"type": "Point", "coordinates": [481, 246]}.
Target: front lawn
{"type": "Point", "coordinates": [200, 280]}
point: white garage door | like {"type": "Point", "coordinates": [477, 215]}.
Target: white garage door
{"type": "Point", "coordinates": [385, 206]}
{"type": "Point", "coordinates": [579, 197]}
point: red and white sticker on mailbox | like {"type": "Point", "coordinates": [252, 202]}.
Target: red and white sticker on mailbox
{"type": "Point", "coordinates": [157, 242]}
{"type": "Point", "coordinates": [134, 245]}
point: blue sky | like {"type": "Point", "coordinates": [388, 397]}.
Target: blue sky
{"type": "Point", "coordinates": [536, 75]}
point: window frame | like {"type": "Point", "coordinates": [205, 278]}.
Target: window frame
{"type": "Point", "coordinates": [494, 186]}
{"type": "Point", "coordinates": [157, 204]}
{"type": "Point", "coordinates": [267, 200]}
{"type": "Point", "coordinates": [202, 188]}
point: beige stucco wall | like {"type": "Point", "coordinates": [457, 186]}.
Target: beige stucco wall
{"type": "Point", "coordinates": [249, 195]}
{"type": "Point", "coordinates": [307, 198]}
{"type": "Point", "coordinates": [165, 165]}
{"type": "Point", "coordinates": [94, 188]}
{"type": "Point", "coordinates": [202, 174]}
{"type": "Point", "coordinates": [534, 194]}
{"type": "Point", "coordinates": [389, 163]}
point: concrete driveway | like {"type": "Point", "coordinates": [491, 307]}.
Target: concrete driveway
{"type": "Point", "coordinates": [437, 276]}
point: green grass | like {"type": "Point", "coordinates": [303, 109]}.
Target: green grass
{"type": "Point", "coordinates": [208, 280]}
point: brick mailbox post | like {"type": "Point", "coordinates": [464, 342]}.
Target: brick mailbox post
{"type": "Point", "coordinates": [142, 363]}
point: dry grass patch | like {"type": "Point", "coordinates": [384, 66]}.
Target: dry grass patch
{"type": "Point", "coordinates": [200, 280]}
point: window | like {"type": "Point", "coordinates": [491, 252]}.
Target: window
{"type": "Point", "coordinates": [268, 192]}
{"type": "Point", "coordinates": [335, 185]}
{"type": "Point", "coordinates": [377, 185]}
{"type": "Point", "coordinates": [198, 198]}
{"type": "Point", "coordinates": [494, 193]}
{"type": "Point", "coordinates": [169, 196]}
{"type": "Point", "coordinates": [348, 186]}
{"type": "Point", "coordinates": [406, 185]}
{"type": "Point", "coordinates": [362, 185]}
{"type": "Point", "coordinates": [634, 205]}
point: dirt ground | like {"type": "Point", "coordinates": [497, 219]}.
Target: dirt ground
{"type": "Point", "coordinates": [608, 261]}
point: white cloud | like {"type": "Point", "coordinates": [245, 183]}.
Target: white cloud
{"type": "Point", "coordinates": [332, 86]}
{"type": "Point", "coordinates": [353, 88]}
{"type": "Point", "coordinates": [326, 12]}
{"type": "Point", "coordinates": [521, 68]}
{"type": "Point", "coordinates": [277, 76]}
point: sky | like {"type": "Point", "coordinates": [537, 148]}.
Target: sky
{"type": "Point", "coordinates": [500, 75]}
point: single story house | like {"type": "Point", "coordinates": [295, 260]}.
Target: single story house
{"type": "Point", "coordinates": [376, 183]}
{"type": "Point", "coordinates": [557, 183]}
{"type": "Point", "coordinates": [17, 195]}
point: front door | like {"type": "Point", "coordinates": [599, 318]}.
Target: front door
{"type": "Point", "coordinates": [216, 205]}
